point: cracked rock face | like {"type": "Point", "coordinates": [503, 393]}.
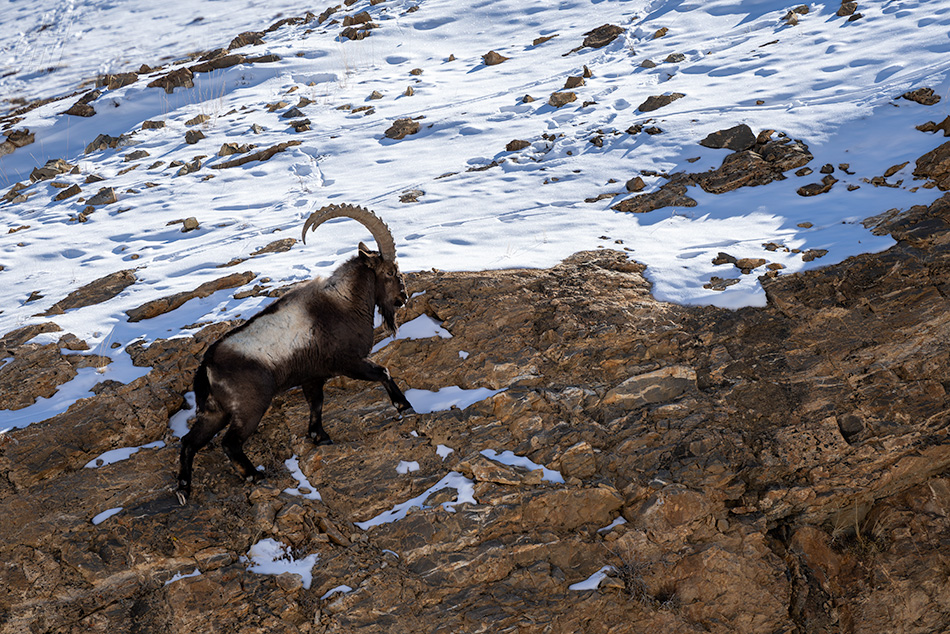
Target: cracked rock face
{"type": "Point", "coordinates": [760, 470]}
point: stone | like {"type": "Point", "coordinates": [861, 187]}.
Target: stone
{"type": "Point", "coordinates": [930, 126]}
{"type": "Point", "coordinates": [198, 120]}
{"type": "Point", "coordinates": [847, 8]}
{"type": "Point", "coordinates": [189, 224]}
{"type": "Point", "coordinates": [748, 264]}
{"type": "Point", "coordinates": [660, 386]}
{"type": "Point", "coordinates": [579, 461]}
{"type": "Point", "coordinates": [635, 184]}
{"type": "Point", "coordinates": [260, 155]}
{"type": "Point", "coordinates": [16, 139]}
{"type": "Point", "coordinates": [934, 165]}
{"type": "Point", "coordinates": [602, 35]}
{"type": "Point", "coordinates": [117, 80]}
{"type": "Point", "coordinates": [923, 96]}
{"type": "Point", "coordinates": [52, 168]}
{"type": "Point", "coordinates": [69, 192]}
{"type": "Point", "coordinates": [179, 78]}
{"type": "Point", "coordinates": [80, 110]}
{"type": "Point", "coordinates": [401, 128]}
{"type": "Point", "coordinates": [491, 58]}
{"type": "Point", "coordinates": [247, 38]}
{"type": "Point", "coordinates": [656, 102]}
{"type": "Point", "coordinates": [559, 99]}
{"type": "Point", "coordinates": [167, 304]}
{"type": "Point", "coordinates": [136, 155]}
{"type": "Point", "coordinates": [814, 189]}
{"type": "Point", "coordinates": [573, 82]}
{"type": "Point", "coordinates": [96, 292]}
{"type": "Point", "coordinates": [193, 136]}
{"type": "Point", "coordinates": [516, 145]}
{"type": "Point", "coordinates": [104, 141]}
{"type": "Point", "coordinates": [667, 196]}
{"type": "Point", "coordinates": [737, 138]}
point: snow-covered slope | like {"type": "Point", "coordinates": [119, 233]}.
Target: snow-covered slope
{"type": "Point", "coordinates": [831, 82]}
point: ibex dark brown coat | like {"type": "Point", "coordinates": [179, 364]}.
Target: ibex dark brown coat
{"type": "Point", "coordinates": [321, 329]}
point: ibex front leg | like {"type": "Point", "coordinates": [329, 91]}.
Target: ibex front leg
{"type": "Point", "coordinates": [366, 370]}
{"type": "Point", "coordinates": [313, 391]}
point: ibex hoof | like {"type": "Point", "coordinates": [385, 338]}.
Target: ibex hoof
{"type": "Point", "coordinates": [182, 497]}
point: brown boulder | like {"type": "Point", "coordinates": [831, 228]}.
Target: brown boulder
{"type": "Point", "coordinates": [602, 35]}
{"type": "Point", "coordinates": [161, 306]}
{"type": "Point", "coordinates": [401, 128]}
{"type": "Point", "coordinates": [656, 102]}
{"type": "Point", "coordinates": [737, 139]}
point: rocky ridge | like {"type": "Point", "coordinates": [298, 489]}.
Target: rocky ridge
{"type": "Point", "coordinates": [777, 469]}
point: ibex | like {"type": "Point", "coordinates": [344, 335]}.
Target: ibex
{"type": "Point", "coordinates": [320, 329]}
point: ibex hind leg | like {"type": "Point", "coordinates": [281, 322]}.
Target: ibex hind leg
{"type": "Point", "coordinates": [243, 424]}
{"type": "Point", "coordinates": [207, 424]}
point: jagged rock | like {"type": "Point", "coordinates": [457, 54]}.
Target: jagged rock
{"type": "Point", "coordinates": [180, 78]}
{"type": "Point", "coordinates": [228, 149]}
{"type": "Point", "coordinates": [669, 195]}
{"type": "Point", "coordinates": [68, 192]}
{"type": "Point", "coordinates": [558, 99]}
{"type": "Point", "coordinates": [930, 126]}
{"type": "Point", "coordinates": [104, 141]}
{"type": "Point", "coordinates": [516, 145]}
{"type": "Point", "coordinates": [170, 303]}
{"type": "Point", "coordinates": [247, 38]}
{"type": "Point", "coordinates": [411, 196]}
{"type": "Point", "coordinates": [217, 63]}
{"type": "Point", "coordinates": [847, 8]}
{"type": "Point", "coordinates": [738, 138]}
{"type": "Point", "coordinates": [658, 101]}
{"type": "Point", "coordinates": [659, 386]}
{"type": "Point", "coordinates": [748, 264]}
{"type": "Point", "coordinates": [260, 155]}
{"type": "Point", "coordinates": [101, 290]}
{"type": "Point", "coordinates": [635, 184]}
{"type": "Point", "coordinates": [193, 136]}
{"type": "Point", "coordinates": [813, 189]}
{"type": "Point", "coordinates": [491, 58]}
{"type": "Point", "coordinates": [602, 35]}
{"type": "Point", "coordinates": [401, 128]}
{"type": "Point", "coordinates": [934, 165]}
{"type": "Point", "coordinates": [923, 96]}
{"type": "Point", "coordinates": [53, 168]}
{"type": "Point", "coordinates": [198, 119]}
{"type": "Point", "coordinates": [15, 139]}
{"type": "Point", "coordinates": [674, 58]}
{"type": "Point", "coordinates": [579, 461]}
{"type": "Point", "coordinates": [573, 82]}
{"type": "Point", "coordinates": [136, 155]}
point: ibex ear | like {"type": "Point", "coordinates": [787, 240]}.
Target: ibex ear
{"type": "Point", "coordinates": [365, 251]}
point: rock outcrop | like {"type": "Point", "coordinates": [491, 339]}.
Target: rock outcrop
{"type": "Point", "coordinates": [761, 470]}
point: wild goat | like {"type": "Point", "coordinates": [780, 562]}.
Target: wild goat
{"type": "Point", "coordinates": [318, 330]}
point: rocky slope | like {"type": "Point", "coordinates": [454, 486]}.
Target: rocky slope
{"type": "Point", "coordinates": [779, 470]}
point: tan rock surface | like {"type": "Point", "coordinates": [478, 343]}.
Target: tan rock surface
{"type": "Point", "coordinates": [780, 469]}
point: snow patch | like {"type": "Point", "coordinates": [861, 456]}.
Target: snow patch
{"type": "Point", "coordinates": [512, 460]}
{"type": "Point", "coordinates": [453, 480]}
{"type": "Point", "coordinates": [592, 581]}
{"type": "Point", "coordinates": [426, 402]}
{"type": "Point", "coordinates": [101, 517]}
{"type": "Point", "coordinates": [303, 489]}
{"type": "Point", "coordinates": [270, 557]}
{"type": "Point", "coordinates": [117, 455]}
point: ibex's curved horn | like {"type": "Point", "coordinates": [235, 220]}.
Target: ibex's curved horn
{"type": "Point", "coordinates": [381, 233]}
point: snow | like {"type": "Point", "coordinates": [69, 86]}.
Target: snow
{"type": "Point", "coordinates": [443, 451]}
{"type": "Point", "coordinates": [339, 589]}
{"type": "Point", "coordinates": [270, 557]}
{"type": "Point", "coordinates": [180, 575]}
{"type": "Point", "coordinates": [304, 488]}
{"type": "Point", "coordinates": [123, 453]}
{"type": "Point", "coordinates": [511, 459]}
{"type": "Point", "coordinates": [818, 81]}
{"type": "Point", "coordinates": [464, 487]}
{"type": "Point", "coordinates": [422, 327]}
{"type": "Point", "coordinates": [593, 581]}
{"type": "Point", "coordinates": [427, 401]}
{"type": "Point", "coordinates": [617, 522]}
{"type": "Point", "coordinates": [101, 517]}
{"type": "Point", "coordinates": [406, 467]}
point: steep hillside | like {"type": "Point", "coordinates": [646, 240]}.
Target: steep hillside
{"type": "Point", "coordinates": [677, 341]}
